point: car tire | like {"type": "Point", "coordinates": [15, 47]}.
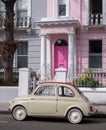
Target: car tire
{"type": "Point", "coordinates": [19, 113]}
{"type": "Point", "coordinates": [75, 116]}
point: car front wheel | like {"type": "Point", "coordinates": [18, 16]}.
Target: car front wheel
{"type": "Point", "coordinates": [75, 116]}
{"type": "Point", "coordinates": [19, 113]}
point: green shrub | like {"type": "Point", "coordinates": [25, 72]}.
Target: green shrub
{"type": "Point", "coordinates": [87, 80]}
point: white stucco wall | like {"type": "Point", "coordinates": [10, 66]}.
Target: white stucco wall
{"type": "Point", "coordinates": [95, 95]}
{"type": "Point", "coordinates": [8, 93]}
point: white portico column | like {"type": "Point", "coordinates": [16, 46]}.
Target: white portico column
{"type": "Point", "coordinates": [43, 57]}
{"type": "Point", "coordinates": [48, 57]}
{"type": "Point", "coordinates": [71, 57]}
{"type": "Point", "coordinates": [85, 5]}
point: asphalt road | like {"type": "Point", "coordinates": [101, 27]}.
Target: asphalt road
{"type": "Point", "coordinates": [8, 123]}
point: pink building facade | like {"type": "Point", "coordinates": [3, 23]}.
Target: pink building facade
{"type": "Point", "coordinates": [73, 37]}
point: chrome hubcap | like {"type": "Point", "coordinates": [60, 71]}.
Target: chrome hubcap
{"type": "Point", "coordinates": [20, 114]}
{"type": "Point", "coordinates": [75, 116]}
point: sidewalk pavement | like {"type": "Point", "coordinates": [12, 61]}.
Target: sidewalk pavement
{"type": "Point", "coordinates": [101, 108]}
{"type": "Point", "coordinates": [4, 107]}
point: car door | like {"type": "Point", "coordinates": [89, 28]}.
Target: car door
{"type": "Point", "coordinates": [43, 101]}
{"type": "Point", "coordinates": [66, 98]}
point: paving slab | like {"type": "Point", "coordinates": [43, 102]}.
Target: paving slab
{"type": "Point", "coordinates": [4, 107]}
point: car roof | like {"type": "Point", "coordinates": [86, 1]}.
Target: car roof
{"type": "Point", "coordinates": [64, 83]}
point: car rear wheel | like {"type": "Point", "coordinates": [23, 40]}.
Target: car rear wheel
{"type": "Point", "coordinates": [75, 116]}
{"type": "Point", "coordinates": [19, 113]}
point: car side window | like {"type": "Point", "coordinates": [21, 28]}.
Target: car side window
{"type": "Point", "coordinates": [46, 91]}
{"type": "Point", "coordinates": [65, 91]}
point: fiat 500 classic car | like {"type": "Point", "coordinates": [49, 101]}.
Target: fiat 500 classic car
{"type": "Point", "coordinates": [54, 100]}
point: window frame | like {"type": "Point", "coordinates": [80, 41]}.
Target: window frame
{"type": "Point", "coordinates": [21, 55]}
{"type": "Point", "coordinates": [62, 10]}
{"type": "Point", "coordinates": [2, 13]}
{"type": "Point", "coordinates": [93, 9]}
{"type": "Point", "coordinates": [96, 54]}
{"type": "Point", "coordinates": [46, 86]}
{"type": "Point", "coordinates": [63, 93]}
{"type": "Point", "coordinates": [23, 21]}
{"type": "Point", "coordinates": [56, 9]}
{"type": "Point", "coordinates": [1, 62]}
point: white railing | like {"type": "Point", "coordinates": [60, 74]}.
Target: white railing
{"type": "Point", "coordinates": [34, 80]}
{"type": "Point", "coordinates": [96, 19]}
{"type": "Point", "coordinates": [96, 79]}
{"type": "Point", "coordinates": [22, 22]}
{"type": "Point", "coordinates": [84, 79]}
{"type": "Point", "coordinates": [36, 77]}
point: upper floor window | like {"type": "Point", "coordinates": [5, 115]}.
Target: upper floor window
{"type": "Point", "coordinates": [2, 13]}
{"type": "Point", "coordinates": [22, 15]}
{"type": "Point", "coordinates": [22, 4]}
{"type": "Point", "coordinates": [22, 10]}
{"type": "Point", "coordinates": [96, 6]}
{"type": "Point", "coordinates": [96, 11]}
{"type": "Point", "coordinates": [2, 9]}
{"type": "Point", "coordinates": [62, 7]}
{"type": "Point", "coordinates": [95, 53]}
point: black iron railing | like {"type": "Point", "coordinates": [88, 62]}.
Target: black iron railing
{"type": "Point", "coordinates": [15, 78]}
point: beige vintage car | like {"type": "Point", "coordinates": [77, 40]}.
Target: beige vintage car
{"type": "Point", "coordinates": [54, 100]}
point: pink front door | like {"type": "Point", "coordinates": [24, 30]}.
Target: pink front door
{"type": "Point", "coordinates": [61, 57]}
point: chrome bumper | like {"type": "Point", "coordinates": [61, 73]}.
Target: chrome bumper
{"type": "Point", "coordinates": [92, 112]}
